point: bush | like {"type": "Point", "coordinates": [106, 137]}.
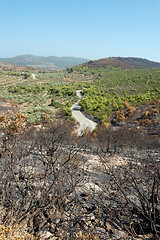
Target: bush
{"type": "Point", "coordinates": [67, 111]}
{"type": "Point", "coordinates": [12, 232]}
{"type": "Point", "coordinates": [120, 115]}
{"type": "Point", "coordinates": [69, 104]}
{"type": "Point", "coordinates": [35, 113]}
{"type": "Point", "coordinates": [55, 104]}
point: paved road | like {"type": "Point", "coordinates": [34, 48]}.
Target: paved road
{"type": "Point", "coordinates": [33, 76]}
{"type": "Point", "coordinates": [83, 121]}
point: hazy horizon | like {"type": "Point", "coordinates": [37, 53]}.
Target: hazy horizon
{"type": "Point", "coordinates": [90, 29]}
{"type": "Point", "coordinates": [77, 57]}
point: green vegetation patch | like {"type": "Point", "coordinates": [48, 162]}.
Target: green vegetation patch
{"type": "Point", "coordinates": [106, 93]}
{"type": "Point", "coordinates": [111, 88]}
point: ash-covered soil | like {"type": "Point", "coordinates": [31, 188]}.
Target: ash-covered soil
{"type": "Point", "coordinates": [58, 191]}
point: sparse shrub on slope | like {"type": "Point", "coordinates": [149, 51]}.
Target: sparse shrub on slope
{"type": "Point", "coordinates": [45, 176]}
{"type": "Point", "coordinates": [133, 198]}
{"type": "Point", "coordinates": [120, 116]}
{"type": "Point", "coordinates": [12, 123]}
{"type": "Point", "coordinates": [14, 233]}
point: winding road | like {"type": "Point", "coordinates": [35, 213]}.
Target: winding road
{"type": "Point", "coordinates": [83, 121]}
{"type": "Point", "coordinates": [33, 76]}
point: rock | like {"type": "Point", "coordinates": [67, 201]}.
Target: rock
{"type": "Point", "coordinates": [100, 230]}
{"type": "Point", "coordinates": [92, 217]}
{"type": "Point", "coordinates": [58, 220]}
{"type": "Point", "coordinates": [109, 227]}
{"type": "Point", "coordinates": [120, 234]}
{"type": "Point", "coordinates": [46, 235]}
{"type": "Point", "coordinates": [92, 187]}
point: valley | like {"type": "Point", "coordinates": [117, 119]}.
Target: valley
{"type": "Point", "coordinates": [63, 176]}
{"type": "Point", "coordinates": [111, 95]}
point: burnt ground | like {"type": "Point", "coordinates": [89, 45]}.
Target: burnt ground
{"type": "Point", "coordinates": [57, 185]}
{"type": "Point", "coordinates": [71, 189]}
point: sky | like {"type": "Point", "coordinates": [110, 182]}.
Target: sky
{"type": "Point", "coordinates": [91, 29]}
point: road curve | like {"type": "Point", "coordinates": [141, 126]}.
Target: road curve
{"type": "Point", "coordinates": [83, 121]}
{"type": "Point", "coordinates": [33, 76]}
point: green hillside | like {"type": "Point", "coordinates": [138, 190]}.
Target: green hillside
{"type": "Point", "coordinates": [51, 62]}
{"type": "Point", "coordinates": [110, 89]}
{"type": "Point", "coordinates": [108, 92]}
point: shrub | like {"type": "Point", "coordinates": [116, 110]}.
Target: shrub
{"type": "Point", "coordinates": [120, 115]}
{"type": "Point", "coordinates": [55, 104]}
{"type": "Point", "coordinates": [129, 109]}
{"type": "Point", "coordinates": [67, 111]}
{"type": "Point", "coordinates": [12, 123]}
{"type": "Point", "coordinates": [14, 233]}
{"type": "Point", "coordinates": [69, 104]}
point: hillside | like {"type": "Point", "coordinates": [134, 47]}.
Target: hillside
{"type": "Point", "coordinates": [58, 185]}
{"type": "Point", "coordinates": [51, 62]}
{"type": "Point", "coordinates": [122, 62]}
{"type": "Point", "coordinates": [111, 95]}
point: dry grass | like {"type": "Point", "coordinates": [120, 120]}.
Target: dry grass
{"type": "Point", "coordinates": [14, 233]}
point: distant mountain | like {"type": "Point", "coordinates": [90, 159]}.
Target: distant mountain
{"type": "Point", "coordinates": [51, 62]}
{"type": "Point", "coordinates": [122, 62]}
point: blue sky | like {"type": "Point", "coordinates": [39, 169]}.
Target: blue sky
{"type": "Point", "coordinates": [89, 29]}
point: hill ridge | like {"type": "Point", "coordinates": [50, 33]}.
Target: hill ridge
{"type": "Point", "coordinates": [122, 62]}
{"type": "Point", "coordinates": [50, 62]}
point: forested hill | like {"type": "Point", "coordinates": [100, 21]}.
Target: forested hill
{"type": "Point", "coordinates": [122, 62]}
{"type": "Point", "coordinates": [51, 62]}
